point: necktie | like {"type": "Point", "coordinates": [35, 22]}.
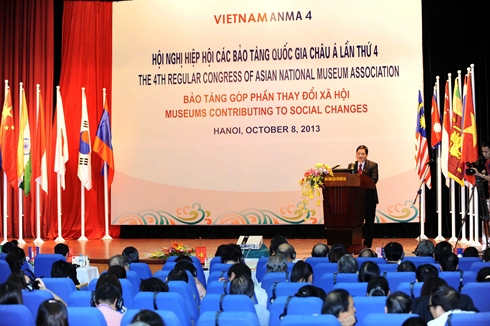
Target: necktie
{"type": "Point", "coordinates": [359, 169]}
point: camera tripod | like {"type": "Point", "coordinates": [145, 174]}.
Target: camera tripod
{"type": "Point", "coordinates": [482, 209]}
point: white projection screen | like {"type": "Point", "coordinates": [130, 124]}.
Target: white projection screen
{"type": "Point", "coordinates": [219, 107]}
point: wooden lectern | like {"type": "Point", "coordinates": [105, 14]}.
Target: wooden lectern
{"type": "Point", "coordinates": [343, 208]}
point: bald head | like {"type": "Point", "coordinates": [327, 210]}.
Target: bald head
{"type": "Point", "coordinates": [288, 251]}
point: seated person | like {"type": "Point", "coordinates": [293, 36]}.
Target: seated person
{"type": "Point", "coordinates": [277, 263]}
{"type": "Point", "coordinates": [444, 301]}
{"type": "Point", "coordinates": [288, 251]}
{"type": "Point", "coordinates": [148, 317]}
{"type": "Point", "coordinates": [189, 266]}
{"type": "Point", "coordinates": [231, 254]}
{"type": "Point", "coordinates": [425, 271]}
{"type": "Point", "coordinates": [153, 284]}
{"type": "Point", "coordinates": [485, 256]}
{"type": "Point", "coordinates": [393, 253]}
{"type": "Point", "coordinates": [26, 280]}
{"type": "Point", "coordinates": [425, 248]}
{"type": "Point", "coordinates": [483, 275]}
{"type": "Point", "coordinates": [62, 249]}
{"type": "Point", "coordinates": [320, 250]}
{"type": "Point", "coordinates": [243, 269]}
{"type": "Point", "coordinates": [378, 287]}
{"type": "Point", "coordinates": [131, 254]}
{"type": "Point", "coordinates": [244, 285]}
{"type": "Point", "coordinates": [398, 303]}
{"type": "Point", "coordinates": [302, 272]}
{"type": "Point", "coordinates": [311, 291]}
{"type": "Point", "coordinates": [10, 293]}
{"type": "Point", "coordinates": [276, 242]}
{"type": "Point", "coordinates": [340, 304]}
{"type": "Point", "coordinates": [406, 266]}
{"type": "Point", "coordinates": [470, 252]}
{"type": "Point", "coordinates": [118, 260]}
{"type": "Point", "coordinates": [17, 260]}
{"type": "Point", "coordinates": [119, 271]}
{"type": "Point", "coordinates": [108, 299]}
{"type": "Point", "coordinates": [441, 248]}
{"type": "Point", "coordinates": [178, 274]}
{"type": "Point", "coordinates": [52, 312]}
{"type": "Point", "coordinates": [8, 246]}
{"type": "Point", "coordinates": [63, 269]}
{"type": "Point", "coordinates": [367, 271]}
{"type": "Point", "coordinates": [336, 253]}
{"type": "Point", "coordinates": [367, 252]}
{"type": "Point", "coordinates": [448, 262]}
{"type": "Point", "coordinates": [348, 264]}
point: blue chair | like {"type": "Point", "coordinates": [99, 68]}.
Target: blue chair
{"type": "Point", "coordinates": [269, 279]}
{"type": "Point", "coordinates": [127, 289]}
{"type": "Point", "coordinates": [216, 260]}
{"type": "Point", "coordinates": [479, 293]}
{"type": "Point", "coordinates": [92, 285]}
{"type": "Point", "coordinates": [456, 279]}
{"type": "Point", "coordinates": [168, 266]}
{"type": "Point", "coordinates": [420, 260]}
{"type": "Point", "coordinates": [219, 267]}
{"type": "Point", "coordinates": [313, 261]}
{"type": "Point", "coordinates": [169, 317]}
{"type": "Point", "coordinates": [5, 271]}
{"type": "Point", "coordinates": [476, 319]}
{"type": "Point", "coordinates": [328, 280]}
{"type": "Point", "coordinates": [218, 287]}
{"type": "Point", "coordinates": [135, 280]}
{"type": "Point", "coordinates": [311, 320]}
{"type": "Point", "coordinates": [296, 306]}
{"type": "Point", "coordinates": [281, 289]}
{"type": "Point", "coordinates": [163, 301]}
{"type": "Point", "coordinates": [475, 267]}
{"type": "Point", "coordinates": [142, 269]}
{"type": "Point", "coordinates": [387, 267]}
{"type": "Point", "coordinates": [33, 299]}
{"type": "Point", "coordinates": [263, 271]}
{"type": "Point", "coordinates": [395, 278]}
{"type": "Point", "coordinates": [354, 289]}
{"type": "Point", "coordinates": [466, 262]}
{"type": "Point", "coordinates": [43, 263]}
{"type": "Point", "coordinates": [224, 318]}
{"type": "Point", "coordinates": [377, 260]}
{"type": "Point", "coordinates": [15, 314]}
{"type": "Point", "coordinates": [192, 282]}
{"type": "Point", "coordinates": [323, 268]}
{"type": "Point", "coordinates": [3, 256]}
{"type": "Point", "coordinates": [260, 270]}
{"type": "Point", "coordinates": [82, 316]}
{"type": "Point", "coordinates": [187, 294]}
{"type": "Point", "coordinates": [216, 276]}
{"type": "Point", "coordinates": [62, 287]}
{"type": "Point", "coordinates": [368, 305]}
{"type": "Point", "coordinates": [80, 299]}
{"type": "Point", "coordinates": [386, 319]}
{"type": "Point", "coordinates": [194, 259]}
{"type": "Point", "coordinates": [411, 288]}
{"type": "Point", "coordinates": [227, 302]}
{"type": "Point", "coordinates": [197, 264]}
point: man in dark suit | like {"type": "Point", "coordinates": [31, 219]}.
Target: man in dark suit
{"type": "Point", "coordinates": [370, 169]}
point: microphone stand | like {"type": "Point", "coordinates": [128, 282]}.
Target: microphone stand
{"type": "Point", "coordinates": [419, 192]}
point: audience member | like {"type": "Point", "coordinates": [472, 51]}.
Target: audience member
{"type": "Point", "coordinates": [340, 304]}
{"type": "Point", "coordinates": [415, 321]}
{"type": "Point", "coordinates": [348, 264]}
{"type": "Point", "coordinates": [63, 269]}
{"type": "Point", "coordinates": [277, 263]}
{"type": "Point", "coordinates": [441, 248]}
{"type": "Point", "coordinates": [406, 266]}
{"type": "Point", "coordinates": [425, 248]}
{"type": "Point", "coordinates": [485, 256]}
{"type": "Point", "coordinates": [52, 313]}
{"type": "Point", "coordinates": [10, 293]}
{"type": "Point", "coordinates": [337, 252]}
{"type": "Point", "coordinates": [398, 303]}
{"type": "Point", "coordinates": [425, 271]}
{"type": "Point", "coordinates": [242, 269]}
{"type": "Point", "coordinates": [108, 299]}
{"type": "Point", "coordinates": [220, 250]}
{"type": "Point", "coordinates": [187, 265]}
{"type": "Point", "coordinates": [26, 280]}
{"type": "Point", "coordinates": [470, 252]}
{"type": "Point", "coordinates": [131, 254]}
{"type": "Point", "coordinates": [378, 287]}
{"type": "Point", "coordinates": [302, 272]}
{"type": "Point", "coordinates": [178, 274]}
{"type": "Point", "coordinates": [117, 270]}
{"type": "Point", "coordinates": [393, 253]}
{"type": "Point", "coordinates": [368, 270]}
{"type": "Point", "coordinates": [231, 254]}
{"type": "Point", "coordinates": [153, 284]}
{"type": "Point", "coordinates": [62, 249]}
{"type": "Point", "coordinates": [148, 317]}
{"type": "Point", "coordinates": [288, 251]}
{"type": "Point", "coordinates": [444, 301]}
{"type": "Point", "coordinates": [243, 284]}
{"type": "Point", "coordinates": [448, 262]}
{"type": "Point", "coordinates": [312, 291]}
{"type": "Point", "coordinates": [118, 260]}
{"type": "Point", "coordinates": [16, 258]}
{"type": "Point", "coordinates": [8, 246]}
{"type": "Point", "coordinates": [183, 257]}
{"type": "Point", "coordinates": [367, 252]}
{"type": "Point", "coordinates": [276, 242]}
{"type": "Point", "coordinates": [483, 275]}
{"type": "Point", "coordinates": [320, 250]}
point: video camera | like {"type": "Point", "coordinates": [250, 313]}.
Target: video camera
{"type": "Point", "coordinates": [479, 165]}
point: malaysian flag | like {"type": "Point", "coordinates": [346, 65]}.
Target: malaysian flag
{"type": "Point", "coordinates": [421, 147]}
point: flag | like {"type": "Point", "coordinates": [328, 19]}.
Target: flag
{"type": "Point", "coordinates": [103, 142]}
{"type": "Point", "coordinates": [436, 130]}
{"type": "Point", "coordinates": [40, 169]}
{"type": "Point", "coordinates": [421, 147]}
{"type": "Point", "coordinates": [9, 150]}
{"type": "Point", "coordinates": [61, 152]}
{"type": "Point", "coordinates": [446, 132]}
{"type": "Point", "coordinates": [469, 146]}
{"type": "Point", "coordinates": [455, 166]}
{"type": "Point", "coordinates": [24, 149]}
{"type": "Point", "coordinates": [84, 151]}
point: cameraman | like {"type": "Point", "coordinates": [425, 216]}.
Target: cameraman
{"type": "Point", "coordinates": [485, 149]}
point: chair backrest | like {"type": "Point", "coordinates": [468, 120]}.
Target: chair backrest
{"type": "Point", "coordinates": [323, 268]}
{"type": "Point", "coordinates": [135, 280]}
{"type": "Point", "coordinates": [269, 279]}
{"type": "Point", "coordinates": [420, 260]}
{"type": "Point", "coordinates": [43, 263]}
{"type": "Point", "coordinates": [227, 302]}
{"type": "Point", "coordinates": [476, 266]}
{"type": "Point", "coordinates": [168, 266]}
{"type": "Point", "coordinates": [33, 299]}
{"type": "Point", "coordinates": [173, 258]}
{"type": "Point", "coordinates": [466, 262]}
{"type": "Point", "coordinates": [216, 275]}
{"type": "Point", "coordinates": [169, 317]}
{"type": "Point", "coordinates": [395, 278]}
{"type": "Point", "coordinates": [283, 306]}
{"type": "Point", "coordinates": [164, 301]}
{"type": "Point", "coordinates": [142, 269]}
{"type": "Point", "coordinates": [80, 299]}
{"type": "Point", "coordinates": [313, 261]}
{"type": "Point", "coordinates": [327, 280]}
{"type": "Point", "coordinates": [82, 316]}
{"type": "Point", "coordinates": [216, 260]}
{"type": "Point", "coordinates": [479, 293]}
{"type": "Point", "coordinates": [3, 256]}
{"type": "Point", "coordinates": [260, 270]}
{"type": "Point", "coordinates": [219, 267]}
{"type": "Point", "coordinates": [386, 319]}
{"type": "Point", "coordinates": [15, 314]}
{"type": "Point", "coordinates": [192, 282]}
{"type": "Point", "coordinates": [128, 292]}
{"type": "Point", "coordinates": [187, 294]}
{"type": "Point", "coordinates": [387, 267]}
{"type": "Point", "coordinates": [411, 288]}
{"type": "Point", "coordinates": [281, 289]}
{"type": "Point", "coordinates": [5, 271]}
{"type": "Point", "coordinates": [476, 319]}
{"type": "Point", "coordinates": [224, 318]}
{"type": "Point", "coordinates": [368, 305]}
{"type": "Point", "coordinates": [62, 287]}
{"type": "Point", "coordinates": [458, 278]}
{"type": "Point", "coordinates": [354, 289]}
{"type": "Point", "coordinates": [311, 320]}
{"type": "Point", "coordinates": [377, 260]}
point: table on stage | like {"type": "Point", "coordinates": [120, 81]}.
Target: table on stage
{"type": "Point", "coordinates": [85, 274]}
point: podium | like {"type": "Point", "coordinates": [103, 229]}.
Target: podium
{"type": "Point", "coordinates": [344, 201]}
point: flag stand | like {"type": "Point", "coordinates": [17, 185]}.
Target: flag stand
{"type": "Point", "coordinates": [453, 214]}
{"type": "Point", "coordinates": [106, 206]}
{"type": "Point", "coordinates": [420, 195]}
{"type": "Point", "coordinates": [38, 239]}
{"type": "Point", "coordinates": [60, 237]}
{"type": "Point", "coordinates": [82, 237]}
{"type": "Point", "coordinates": [5, 211]}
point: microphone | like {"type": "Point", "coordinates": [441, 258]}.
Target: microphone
{"type": "Point", "coordinates": [336, 166]}
{"type": "Point", "coordinates": [430, 162]}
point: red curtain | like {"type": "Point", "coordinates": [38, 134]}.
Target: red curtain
{"type": "Point", "coordinates": [27, 54]}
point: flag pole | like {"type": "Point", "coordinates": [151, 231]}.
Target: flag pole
{"type": "Point", "coordinates": [38, 195]}
{"type": "Point", "coordinates": [58, 185]}
{"type": "Point", "coordinates": [5, 202]}
{"type": "Point", "coordinates": [21, 201]}
{"type": "Point", "coordinates": [82, 195]}
{"type": "Point", "coordinates": [463, 195]}
{"type": "Point", "coordinates": [453, 238]}
{"type": "Point", "coordinates": [106, 191]}
{"type": "Point", "coordinates": [471, 204]}
{"type": "Point", "coordinates": [439, 174]}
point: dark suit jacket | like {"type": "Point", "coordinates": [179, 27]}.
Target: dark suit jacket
{"type": "Point", "coordinates": [419, 306]}
{"type": "Point", "coordinates": [370, 169]}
